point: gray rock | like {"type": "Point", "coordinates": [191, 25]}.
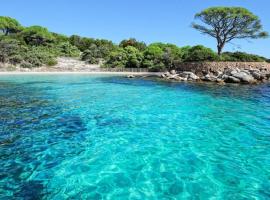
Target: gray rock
{"type": "Point", "coordinates": [257, 75]}
{"type": "Point", "coordinates": [173, 72]}
{"type": "Point", "coordinates": [190, 76]}
{"type": "Point", "coordinates": [244, 77]}
{"type": "Point", "coordinates": [232, 79]}
{"type": "Point", "coordinates": [163, 76]}
{"type": "Point", "coordinates": [210, 77]}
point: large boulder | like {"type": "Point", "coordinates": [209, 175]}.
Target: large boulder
{"type": "Point", "coordinates": [209, 77]}
{"type": "Point", "coordinates": [244, 77]}
{"type": "Point", "coordinates": [190, 76]}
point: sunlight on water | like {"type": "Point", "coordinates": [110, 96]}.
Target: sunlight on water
{"type": "Point", "coordinates": [104, 137]}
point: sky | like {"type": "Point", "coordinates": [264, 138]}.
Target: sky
{"type": "Point", "coordinates": [146, 20]}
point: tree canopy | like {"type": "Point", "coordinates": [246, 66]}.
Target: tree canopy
{"type": "Point", "coordinates": [134, 43]}
{"type": "Point", "coordinates": [37, 35]}
{"type": "Point", "coordinates": [9, 25]}
{"type": "Point", "coordinates": [228, 23]}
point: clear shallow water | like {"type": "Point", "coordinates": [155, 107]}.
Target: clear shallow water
{"type": "Point", "coordinates": [102, 137]}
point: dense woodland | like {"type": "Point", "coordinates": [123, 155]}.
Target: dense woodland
{"type": "Point", "coordinates": [35, 46]}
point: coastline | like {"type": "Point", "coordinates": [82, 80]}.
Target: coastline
{"type": "Point", "coordinates": [80, 72]}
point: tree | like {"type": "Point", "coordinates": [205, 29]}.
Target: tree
{"type": "Point", "coordinates": [9, 25]}
{"type": "Point", "coordinates": [153, 55]}
{"type": "Point", "coordinates": [228, 23]}
{"type": "Point", "coordinates": [141, 46]}
{"type": "Point", "coordinates": [37, 35]}
{"type": "Point", "coordinates": [200, 53]}
{"type": "Point", "coordinates": [134, 57]}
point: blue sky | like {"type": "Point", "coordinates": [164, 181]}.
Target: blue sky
{"type": "Point", "coordinates": [147, 20]}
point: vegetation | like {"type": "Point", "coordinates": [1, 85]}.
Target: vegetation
{"type": "Point", "coordinates": [36, 46]}
{"type": "Point", "coordinates": [228, 23]}
{"type": "Point", "coordinates": [9, 25]}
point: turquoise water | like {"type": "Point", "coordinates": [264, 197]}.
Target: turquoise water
{"type": "Point", "coordinates": [107, 137]}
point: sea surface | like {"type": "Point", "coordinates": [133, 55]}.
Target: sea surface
{"type": "Point", "coordinates": [108, 137]}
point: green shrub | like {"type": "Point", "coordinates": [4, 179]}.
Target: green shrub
{"type": "Point", "coordinates": [128, 57]}
{"type": "Point", "coordinates": [38, 56]}
{"type": "Point", "coordinates": [200, 53]}
{"type": "Point", "coordinates": [117, 58]}
{"type": "Point", "coordinates": [91, 56]}
{"type": "Point", "coordinates": [241, 57]}
{"type": "Point", "coordinates": [51, 62]}
{"type": "Point", "coordinates": [67, 50]}
{"type": "Point", "coordinates": [9, 49]}
{"type": "Point", "coordinates": [25, 64]}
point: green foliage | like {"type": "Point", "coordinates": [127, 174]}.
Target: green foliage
{"type": "Point", "coordinates": [128, 57]}
{"type": "Point", "coordinates": [9, 25]}
{"type": "Point", "coordinates": [134, 57]}
{"type": "Point", "coordinates": [200, 53]}
{"type": "Point", "coordinates": [242, 57]}
{"type": "Point", "coordinates": [35, 46]}
{"type": "Point", "coordinates": [10, 50]}
{"type": "Point", "coordinates": [37, 35]}
{"type": "Point", "coordinates": [60, 38]}
{"type": "Point", "coordinates": [153, 58]}
{"type": "Point", "coordinates": [228, 23]}
{"type": "Point", "coordinates": [117, 58]}
{"type": "Point", "coordinates": [67, 50]}
{"type": "Point", "coordinates": [141, 46]}
{"type": "Point", "coordinates": [159, 56]}
{"type": "Point", "coordinates": [38, 56]}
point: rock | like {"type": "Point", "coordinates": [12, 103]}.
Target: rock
{"type": "Point", "coordinates": [257, 75]}
{"type": "Point", "coordinates": [232, 79]}
{"type": "Point", "coordinates": [173, 72]}
{"type": "Point", "coordinates": [167, 74]}
{"type": "Point", "coordinates": [209, 77]}
{"type": "Point", "coordinates": [244, 77]}
{"type": "Point", "coordinates": [163, 76]}
{"type": "Point", "coordinates": [130, 76]}
{"type": "Point", "coordinates": [219, 80]}
{"type": "Point", "coordinates": [190, 76]}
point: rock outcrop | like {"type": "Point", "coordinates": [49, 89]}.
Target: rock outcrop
{"type": "Point", "coordinates": [228, 75]}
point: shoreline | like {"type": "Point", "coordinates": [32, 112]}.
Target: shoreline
{"type": "Point", "coordinates": [79, 72]}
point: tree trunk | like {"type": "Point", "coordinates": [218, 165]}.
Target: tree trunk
{"type": "Point", "coordinates": [220, 47]}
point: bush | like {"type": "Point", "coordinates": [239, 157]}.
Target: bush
{"type": "Point", "coordinates": [200, 53]}
{"type": "Point", "coordinates": [241, 57]}
{"type": "Point", "coordinates": [117, 58]}
{"type": "Point", "coordinates": [38, 56]}
{"type": "Point", "coordinates": [11, 50]}
{"type": "Point", "coordinates": [91, 56]}
{"type": "Point", "coordinates": [94, 54]}
{"type": "Point", "coordinates": [68, 50]}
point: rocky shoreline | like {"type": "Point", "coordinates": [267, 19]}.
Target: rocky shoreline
{"type": "Point", "coordinates": [228, 75]}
